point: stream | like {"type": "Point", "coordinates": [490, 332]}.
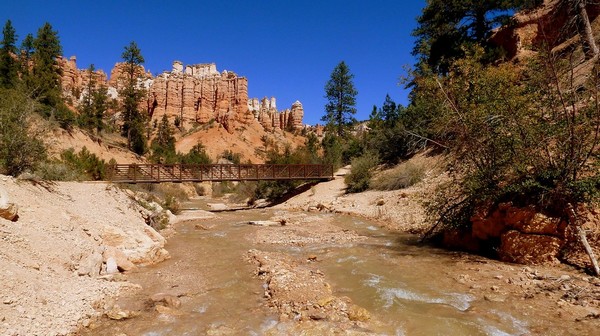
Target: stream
{"type": "Point", "coordinates": [408, 289]}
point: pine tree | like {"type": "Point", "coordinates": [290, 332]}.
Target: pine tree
{"type": "Point", "coordinates": [8, 64]}
{"type": "Point", "coordinates": [46, 73]}
{"type": "Point", "coordinates": [100, 99]}
{"type": "Point", "coordinates": [389, 112]}
{"type": "Point", "coordinates": [341, 94]}
{"type": "Point", "coordinates": [87, 105]}
{"type": "Point", "coordinates": [26, 54]}
{"type": "Point", "coordinates": [163, 145]}
{"type": "Point", "coordinates": [133, 120]}
{"type": "Point", "coordinates": [446, 27]}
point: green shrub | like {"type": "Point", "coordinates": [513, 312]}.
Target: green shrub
{"type": "Point", "coordinates": [173, 204]}
{"type": "Point", "coordinates": [360, 174]}
{"type": "Point", "coordinates": [57, 171]}
{"type": "Point", "coordinates": [86, 163]}
{"type": "Point", "coordinates": [21, 149]}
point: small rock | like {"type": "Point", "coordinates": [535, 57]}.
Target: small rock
{"type": "Point", "coordinates": [380, 202]}
{"type": "Point", "coordinates": [493, 298]}
{"type": "Point", "coordinates": [265, 223]}
{"type": "Point", "coordinates": [356, 313]}
{"type": "Point", "coordinates": [116, 313]}
{"type": "Point", "coordinates": [111, 266]}
{"type": "Point", "coordinates": [168, 311]}
{"type": "Point", "coordinates": [495, 288]}
{"type": "Point", "coordinates": [123, 263]}
{"type": "Point", "coordinates": [312, 258]}
{"type": "Point", "coordinates": [167, 299]}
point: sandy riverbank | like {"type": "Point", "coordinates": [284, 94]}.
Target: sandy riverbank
{"type": "Point", "coordinates": [54, 257]}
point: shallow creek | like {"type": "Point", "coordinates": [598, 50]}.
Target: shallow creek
{"type": "Point", "coordinates": [407, 288]}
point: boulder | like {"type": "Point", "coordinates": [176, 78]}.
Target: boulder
{"type": "Point", "coordinates": [91, 266]}
{"type": "Point", "coordinates": [8, 210]}
{"type": "Point", "coordinates": [122, 262]}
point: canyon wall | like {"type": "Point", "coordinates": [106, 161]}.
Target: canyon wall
{"type": "Point", "coordinates": [194, 93]}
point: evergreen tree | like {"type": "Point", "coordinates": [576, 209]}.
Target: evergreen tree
{"type": "Point", "coordinates": [133, 120]}
{"type": "Point", "coordinates": [87, 105]}
{"type": "Point", "coordinates": [26, 54]}
{"type": "Point", "coordinates": [196, 155]}
{"type": "Point", "coordinates": [389, 111]}
{"type": "Point", "coordinates": [46, 73]}
{"type": "Point", "coordinates": [341, 94]}
{"type": "Point", "coordinates": [375, 120]}
{"type": "Point", "coordinates": [446, 27]}
{"type": "Point", "coordinates": [101, 102]}
{"type": "Point", "coordinates": [163, 145]}
{"type": "Point", "coordinates": [8, 64]}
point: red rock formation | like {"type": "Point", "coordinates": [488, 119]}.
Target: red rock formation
{"type": "Point", "coordinates": [201, 94]}
{"type": "Point", "coordinates": [75, 81]}
{"type": "Point", "coordinates": [194, 93]}
{"type": "Point", "coordinates": [270, 118]}
{"type": "Point", "coordinates": [543, 26]}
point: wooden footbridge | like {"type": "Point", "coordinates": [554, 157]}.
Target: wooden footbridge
{"type": "Point", "coordinates": [157, 173]}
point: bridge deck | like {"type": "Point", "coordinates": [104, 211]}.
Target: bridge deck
{"type": "Point", "coordinates": [156, 173]}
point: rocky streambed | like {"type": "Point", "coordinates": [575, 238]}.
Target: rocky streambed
{"type": "Point", "coordinates": [280, 272]}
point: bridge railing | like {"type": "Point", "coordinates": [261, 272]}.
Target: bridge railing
{"type": "Point", "coordinates": [156, 173]}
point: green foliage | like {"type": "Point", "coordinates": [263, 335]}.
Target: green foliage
{"type": "Point", "coordinates": [341, 96]}
{"type": "Point", "coordinates": [9, 65]}
{"type": "Point", "coordinates": [94, 104]}
{"type": "Point", "coordinates": [272, 190]}
{"type": "Point", "coordinates": [525, 136]}
{"type": "Point", "coordinates": [332, 150]}
{"type": "Point", "coordinates": [45, 80]}
{"type": "Point", "coordinates": [21, 148]}
{"type": "Point", "coordinates": [361, 172]}
{"type": "Point", "coordinates": [163, 145]}
{"type": "Point", "coordinates": [196, 155]}
{"type": "Point", "coordinates": [133, 121]}
{"type": "Point", "coordinates": [86, 163]}
{"type": "Point", "coordinates": [446, 28]}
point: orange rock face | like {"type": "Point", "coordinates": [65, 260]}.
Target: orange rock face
{"type": "Point", "coordinates": [270, 118]}
{"type": "Point", "coordinates": [194, 93]}
{"type": "Point", "coordinates": [75, 81]}
{"type": "Point", "coordinates": [200, 94]}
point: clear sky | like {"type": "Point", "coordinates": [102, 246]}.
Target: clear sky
{"type": "Point", "coordinates": [286, 49]}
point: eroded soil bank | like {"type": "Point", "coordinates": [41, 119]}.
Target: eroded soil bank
{"type": "Point", "coordinates": [335, 274]}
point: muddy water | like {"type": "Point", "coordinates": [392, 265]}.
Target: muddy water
{"type": "Point", "coordinates": [407, 289]}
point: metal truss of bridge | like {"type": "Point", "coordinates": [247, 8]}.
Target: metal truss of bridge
{"type": "Point", "coordinates": [157, 173]}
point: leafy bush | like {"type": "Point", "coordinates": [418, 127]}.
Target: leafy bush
{"type": "Point", "coordinates": [196, 155]}
{"type": "Point", "coordinates": [514, 137]}
{"type": "Point", "coordinates": [403, 176]}
{"type": "Point", "coordinates": [360, 174]}
{"type": "Point", "coordinates": [85, 162]}
{"type": "Point", "coordinates": [57, 171]}
{"type": "Point", "coordinates": [21, 149]}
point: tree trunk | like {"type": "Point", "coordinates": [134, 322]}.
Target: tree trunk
{"type": "Point", "coordinates": [585, 32]}
{"type": "Point", "coordinates": [582, 237]}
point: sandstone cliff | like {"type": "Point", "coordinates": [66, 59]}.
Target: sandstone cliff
{"type": "Point", "coordinates": [550, 24]}
{"type": "Point", "coordinates": [193, 93]}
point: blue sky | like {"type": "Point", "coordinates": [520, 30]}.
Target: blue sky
{"type": "Point", "coordinates": [286, 49]}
